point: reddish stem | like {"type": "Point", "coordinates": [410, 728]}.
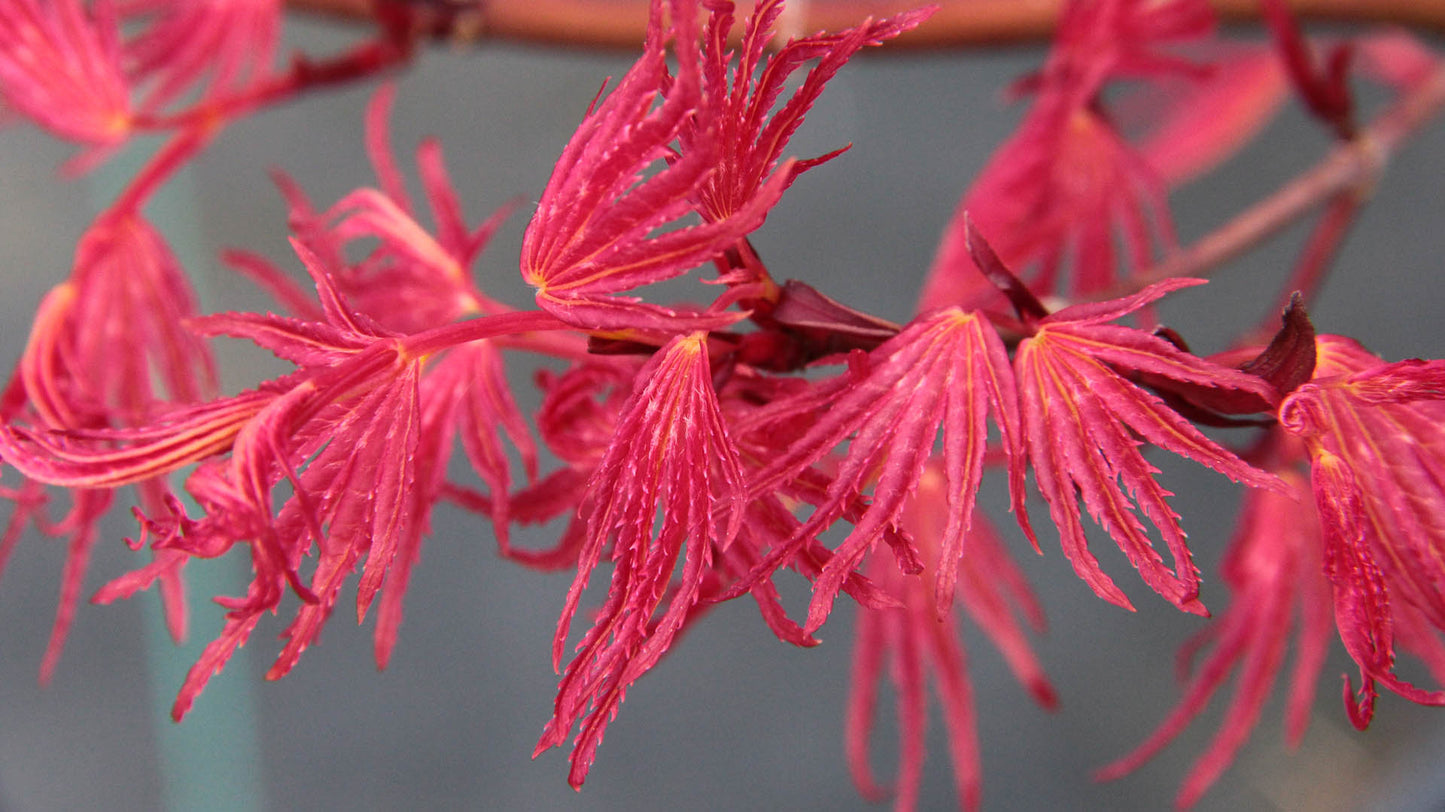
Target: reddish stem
{"type": "Point", "coordinates": [465, 332]}
{"type": "Point", "coordinates": [165, 163]}
{"type": "Point", "coordinates": [366, 59]}
{"type": "Point", "coordinates": [1350, 168]}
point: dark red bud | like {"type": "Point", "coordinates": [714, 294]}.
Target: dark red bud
{"type": "Point", "coordinates": [1289, 360]}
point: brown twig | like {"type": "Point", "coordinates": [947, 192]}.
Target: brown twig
{"type": "Point", "coordinates": [958, 23]}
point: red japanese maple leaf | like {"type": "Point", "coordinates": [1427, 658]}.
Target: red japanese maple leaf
{"type": "Point", "coordinates": [225, 44]}
{"type": "Point", "coordinates": [60, 65]}
{"type": "Point", "coordinates": [603, 226]}
{"type": "Point", "coordinates": [109, 349]}
{"type": "Point", "coordinates": [1377, 464]}
{"type": "Point", "coordinates": [1081, 419]}
{"type": "Point", "coordinates": [1274, 570]}
{"type": "Point", "coordinates": [742, 111]}
{"type": "Point", "coordinates": [920, 638]}
{"type": "Point", "coordinates": [1068, 185]}
{"type": "Point", "coordinates": [949, 370]}
{"type": "Point", "coordinates": [1364, 546]}
{"type": "Point", "coordinates": [670, 456]}
{"type": "Point", "coordinates": [345, 431]}
{"type": "Point", "coordinates": [411, 279]}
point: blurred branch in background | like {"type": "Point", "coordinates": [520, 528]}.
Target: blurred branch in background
{"type": "Point", "coordinates": [957, 23]}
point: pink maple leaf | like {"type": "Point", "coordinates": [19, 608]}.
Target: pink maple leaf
{"type": "Point", "coordinates": [1377, 461]}
{"type": "Point", "coordinates": [60, 65]}
{"type": "Point", "coordinates": [1199, 121]}
{"type": "Point", "coordinates": [1081, 418]}
{"type": "Point", "coordinates": [670, 455]}
{"type": "Point", "coordinates": [603, 226]}
{"type": "Point", "coordinates": [108, 349]}
{"type": "Point", "coordinates": [102, 337]}
{"type": "Point", "coordinates": [344, 435]}
{"type": "Point", "coordinates": [1060, 189]}
{"type": "Point", "coordinates": [742, 111]}
{"type": "Point", "coordinates": [1068, 185]}
{"type": "Point", "coordinates": [227, 44]}
{"type": "Point", "coordinates": [1274, 570]}
{"type": "Point", "coordinates": [949, 370]}
{"type": "Point", "coordinates": [1381, 417]}
{"type": "Point", "coordinates": [920, 637]}
{"type": "Point", "coordinates": [412, 279]}
{"type": "Point", "coordinates": [401, 430]}
{"type": "Point", "coordinates": [467, 389]}
{"type": "Point", "coordinates": [1099, 41]}
{"type": "Point", "coordinates": [344, 432]}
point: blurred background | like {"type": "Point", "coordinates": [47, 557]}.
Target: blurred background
{"type": "Point", "coordinates": [732, 719]}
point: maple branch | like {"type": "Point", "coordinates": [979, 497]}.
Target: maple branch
{"type": "Point", "coordinates": [958, 23]}
{"type": "Point", "coordinates": [1350, 169]}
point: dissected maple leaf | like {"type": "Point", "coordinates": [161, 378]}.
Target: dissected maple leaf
{"type": "Point", "coordinates": [411, 280]}
{"type": "Point", "coordinates": [468, 390]}
{"type": "Point", "coordinates": [60, 65]}
{"type": "Point", "coordinates": [109, 349]}
{"type": "Point", "coordinates": [1061, 189]}
{"type": "Point", "coordinates": [668, 489]}
{"type": "Point", "coordinates": [1068, 186]}
{"type": "Point", "coordinates": [227, 44]}
{"type": "Point", "coordinates": [1081, 418]}
{"type": "Point", "coordinates": [109, 344]}
{"type": "Point", "coordinates": [1106, 39]}
{"type": "Point", "coordinates": [1274, 570]}
{"type": "Point", "coordinates": [920, 637]}
{"type": "Point", "coordinates": [741, 108]}
{"type": "Point", "coordinates": [348, 418]}
{"type": "Point", "coordinates": [603, 226]}
{"type": "Point", "coordinates": [1377, 463]}
{"type": "Point", "coordinates": [1199, 121]}
{"type": "Point", "coordinates": [346, 432]}
{"type": "Point", "coordinates": [1347, 558]}
{"type": "Point", "coordinates": [949, 370]}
